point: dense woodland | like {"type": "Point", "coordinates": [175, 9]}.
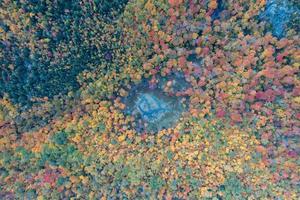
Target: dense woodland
{"type": "Point", "coordinates": [68, 66]}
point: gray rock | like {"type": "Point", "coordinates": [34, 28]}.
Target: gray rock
{"type": "Point", "coordinates": [278, 14]}
{"type": "Point", "coordinates": [151, 108]}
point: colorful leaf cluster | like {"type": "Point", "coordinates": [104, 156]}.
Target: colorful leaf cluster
{"type": "Point", "coordinates": [67, 65]}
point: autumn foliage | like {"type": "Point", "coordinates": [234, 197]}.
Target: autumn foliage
{"type": "Point", "coordinates": [66, 68]}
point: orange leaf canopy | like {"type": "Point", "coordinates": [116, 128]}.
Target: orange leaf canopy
{"type": "Point", "coordinates": [175, 3]}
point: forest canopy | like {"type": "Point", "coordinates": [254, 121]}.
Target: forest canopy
{"type": "Point", "coordinates": [149, 99]}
